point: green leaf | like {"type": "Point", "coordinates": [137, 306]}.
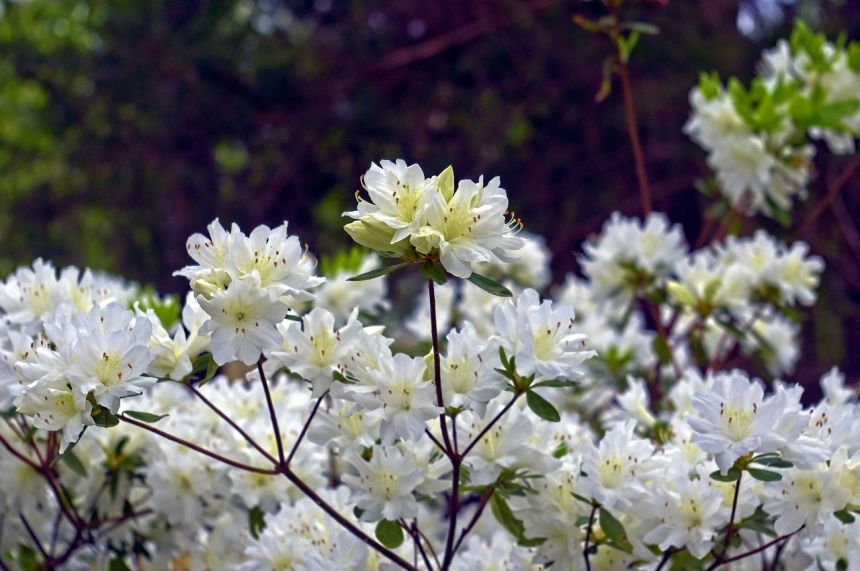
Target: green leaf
{"type": "Point", "coordinates": [147, 417]}
{"type": "Point", "coordinates": [542, 407]}
{"type": "Point", "coordinates": [73, 462]}
{"type": "Point", "coordinates": [211, 371]}
{"type": "Point", "coordinates": [378, 273]}
{"type": "Point", "coordinates": [503, 358]}
{"type": "Point", "coordinates": [503, 514]}
{"type": "Point", "coordinates": [611, 527]}
{"type": "Point", "coordinates": [9, 412]}
{"type": "Point", "coordinates": [777, 212]}
{"type": "Point", "coordinates": [844, 516]}
{"type": "Point", "coordinates": [490, 285]}
{"type": "Point", "coordinates": [732, 328]}
{"type": "Point", "coordinates": [256, 521]}
{"type": "Point", "coordinates": [27, 559]}
{"type": "Point", "coordinates": [772, 462]}
{"type": "Point", "coordinates": [761, 526]}
{"type": "Point", "coordinates": [103, 417]}
{"type": "Point", "coordinates": [118, 564]}
{"type": "Point", "coordinates": [764, 475]}
{"type": "Point", "coordinates": [292, 317]}
{"type": "Point", "coordinates": [556, 384]}
{"type": "Point", "coordinates": [389, 533]}
{"type": "Point", "coordinates": [732, 475]}
{"type": "Point", "coordinates": [434, 272]}
{"type": "Point", "coordinates": [661, 349]}
{"type": "Point", "coordinates": [531, 542]}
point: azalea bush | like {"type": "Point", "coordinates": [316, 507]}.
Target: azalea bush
{"type": "Point", "coordinates": [286, 414]}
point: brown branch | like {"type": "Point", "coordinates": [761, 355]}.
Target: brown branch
{"type": "Point", "coordinates": [833, 190]}
{"type": "Point", "coordinates": [196, 448]}
{"type": "Point", "coordinates": [272, 415]}
{"type": "Point", "coordinates": [232, 423]}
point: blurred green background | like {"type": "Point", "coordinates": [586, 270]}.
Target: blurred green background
{"type": "Point", "coordinates": [127, 125]}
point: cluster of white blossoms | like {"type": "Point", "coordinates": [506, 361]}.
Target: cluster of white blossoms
{"type": "Point", "coordinates": [278, 420]}
{"type": "Point", "coordinates": [410, 216]}
{"type": "Point", "coordinates": [760, 138]}
{"type": "Point", "coordinates": [246, 283]}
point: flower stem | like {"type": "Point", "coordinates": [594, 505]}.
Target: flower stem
{"type": "Point", "coordinates": [196, 448]}
{"type": "Point", "coordinates": [232, 423]}
{"type": "Point", "coordinates": [437, 370]}
{"type": "Point", "coordinates": [272, 414]}
{"type": "Point", "coordinates": [305, 428]}
{"type": "Point", "coordinates": [585, 549]}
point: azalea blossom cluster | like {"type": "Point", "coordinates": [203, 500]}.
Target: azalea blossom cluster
{"type": "Point", "coordinates": [290, 414]}
{"type": "Point", "coordinates": [409, 216]}
{"type": "Point", "coordinates": [760, 138]}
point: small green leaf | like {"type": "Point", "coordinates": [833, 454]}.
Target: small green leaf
{"type": "Point", "coordinates": [211, 371]}
{"type": "Point", "coordinates": [542, 407]}
{"type": "Point", "coordinates": [256, 521]}
{"type": "Point", "coordinates": [118, 564]}
{"type": "Point", "coordinates": [434, 272]}
{"type": "Point", "coordinates": [74, 463]}
{"type": "Point", "coordinates": [147, 417]}
{"type": "Point", "coordinates": [732, 475]}
{"type": "Point", "coordinates": [611, 527]}
{"type": "Point", "coordinates": [503, 514]}
{"type": "Point", "coordinates": [292, 317]}
{"type": "Point", "coordinates": [661, 349]}
{"type": "Point", "coordinates": [27, 559]}
{"type": "Point", "coordinates": [844, 516]}
{"type": "Point", "coordinates": [9, 412]}
{"type": "Point", "coordinates": [772, 462]}
{"type": "Point", "coordinates": [556, 384]}
{"type": "Point", "coordinates": [503, 357]}
{"type": "Point", "coordinates": [103, 417]}
{"type": "Point", "coordinates": [378, 273]}
{"type": "Point", "coordinates": [490, 285]}
{"type": "Point", "coordinates": [389, 533]}
{"type": "Point", "coordinates": [764, 475]}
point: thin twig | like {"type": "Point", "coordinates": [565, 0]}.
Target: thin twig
{"type": "Point", "coordinates": [454, 509]}
{"type": "Point", "coordinates": [756, 550]}
{"type": "Point", "coordinates": [305, 428]}
{"type": "Point", "coordinates": [437, 369]}
{"type": "Point", "coordinates": [272, 414]}
{"type": "Point", "coordinates": [630, 113]}
{"type": "Point", "coordinates": [585, 549]}
{"type": "Point", "coordinates": [232, 423]}
{"type": "Point", "coordinates": [720, 559]}
{"type": "Point", "coordinates": [196, 448]}
{"type": "Point", "coordinates": [34, 537]}
{"type": "Point", "coordinates": [337, 516]}
{"type": "Point", "coordinates": [485, 499]}
{"type": "Point", "coordinates": [489, 426]}
{"type": "Point", "coordinates": [832, 190]}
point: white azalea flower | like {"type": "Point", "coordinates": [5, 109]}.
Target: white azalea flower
{"type": "Point", "coordinates": [468, 227]}
{"type": "Point", "coordinates": [688, 516]}
{"type": "Point", "coordinates": [468, 375]}
{"type": "Point", "coordinates": [541, 336]}
{"type": "Point", "coordinates": [398, 195]}
{"type": "Point", "coordinates": [401, 397]}
{"type": "Point", "coordinates": [734, 418]}
{"type": "Point", "coordinates": [615, 468]}
{"type": "Point", "coordinates": [383, 485]}
{"type": "Point", "coordinates": [314, 349]}
{"type": "Point", "coordinates": [242, 320]}
{"type": "Point", "coordinates": [110, 356]}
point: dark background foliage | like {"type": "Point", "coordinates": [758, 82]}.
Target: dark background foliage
{"type": "Point", "coordinates": [126, 125]}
